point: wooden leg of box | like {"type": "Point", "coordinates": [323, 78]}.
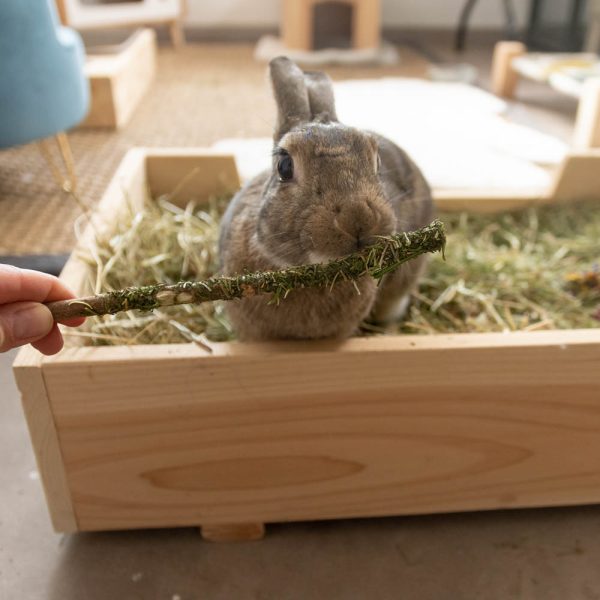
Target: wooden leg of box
{"type": "Point", "coordinates": [587, 123]}
{"type": "Point", "coordinates": [176, 34]}
{"type": "Point", "coordinates": [504, 78]}
{"type": "Point", "coordinates": [239, 532]}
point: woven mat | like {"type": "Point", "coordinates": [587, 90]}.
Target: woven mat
{"type": "Point", "coordinates": [202, 93]}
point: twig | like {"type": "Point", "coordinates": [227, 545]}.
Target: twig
{"type": "Point", "coordinates": [377, 260]}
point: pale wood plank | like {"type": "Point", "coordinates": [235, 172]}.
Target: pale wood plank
{"type": "Point", "coordinates": [587, 123]}
{"type": "Point", "coordinates": [297, 24]}
{"type": "Point", "coordinates": [118, 82]}
{"type": "Point", "coordinates": [196, 173]}
{"type": "Point", "coordinates": [46, 445]}
{"type": "Point", "coordinates": [384, 343]}
{"type": "Point", "coordinates": [260, 437]}
{"type": "Point", "coordinates": [503, 77]}
{"type": "Point", "coordinates": [245, 532]}
{"type": "Point", "coordinates": [488, 201]}
{"type": "Point", "coordinates": [252, 433]}
{"type": "Point", "coordinates": [578, 178]}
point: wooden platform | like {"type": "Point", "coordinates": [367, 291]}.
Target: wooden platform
{"type": "Point", "coordinates": [120, 79]}
{"type": "Point", "coordinates": [512, 62]}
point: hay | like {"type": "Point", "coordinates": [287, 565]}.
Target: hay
{"type": "Point", "coordinates": [162, 243]}
{"type": "Point", "coordinates": [533, 269]}
{"type": "Point", "coordinates": [527, 270]}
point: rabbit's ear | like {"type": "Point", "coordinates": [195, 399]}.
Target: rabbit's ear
{"type": "Point", "coordinates": [320, 96]}
{"type": "Point", "coordinates": [290, 93]}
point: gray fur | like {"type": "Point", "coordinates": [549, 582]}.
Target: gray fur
{"type": "Point", "coordinates": [320, 96]}
{"type": "Point", "coordinates": [337, 201]}
{"type": "Point", "coordinates": [291, 95]}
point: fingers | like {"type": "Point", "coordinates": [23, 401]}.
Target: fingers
{"type": "Point", "coordinates": [23, 319]}
{"type": "Point", "coordinates": [17, 285]}
{"type": "Point", "coordinates": [25, 322]}
{"type": "Point", "coordinates": [52, 343]}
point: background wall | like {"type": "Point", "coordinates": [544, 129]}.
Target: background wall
{"type": "Point", "coordinates": [396, 13]}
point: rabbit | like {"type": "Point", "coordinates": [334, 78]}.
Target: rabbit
{"type": "Point", "coordinates": [331, 190]}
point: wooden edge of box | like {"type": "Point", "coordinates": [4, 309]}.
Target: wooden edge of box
{"type": "Point", "coordinates": [28, 372]}
{"type": "Point", "coordinates": [575, 178]}
{"type": "Point", "coordinates": [118, 81]}
{"type": "Point", "coordinates": [488, 201]}
{"type": "Point", "coordinates": [578, 177]}
{"type": "Point", "coordinates": [128, 182]}
{"type": "Point", "coordinates": [135, 76]}
{"type": "Point", "coordinates": [563, 339]}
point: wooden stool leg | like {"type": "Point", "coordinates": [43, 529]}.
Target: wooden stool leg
{"type": "Point", "coordinates": [240, 532]}
{"type": "Point", "coordinates": [366, 24]}
{"type": "Point", "coordinates": [504, 78]}
{"type": "Point", "coordinates": [297, 24]}
{"type": "Point", "coordinates": [587, 123]}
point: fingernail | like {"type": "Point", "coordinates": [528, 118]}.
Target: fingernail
{"type": "Point", "coordinates": [33, 321]}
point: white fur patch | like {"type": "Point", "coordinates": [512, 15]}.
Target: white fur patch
{"type": "Point", "coordinates": [316, 258]}
{"type": "Point", "coordinates": [398, 310]}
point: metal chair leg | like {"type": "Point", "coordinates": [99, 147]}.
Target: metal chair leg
{"type": "Point", "coordinates": [463, 23]}
{"type": "Point", "coordinates": [511, 19]}
{"type": "Point", "coordinates": [465, 15]}
{"type": "Point", "coordinates": [67, 156]}
{"type": "Point", "coordinates": [67, 183]}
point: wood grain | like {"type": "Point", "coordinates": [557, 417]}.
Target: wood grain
{"type": "Point", "coordinates": [238, 434]}
{"type": "Point", "coordinates": [315, 431]}
{"type": "Point", "coordinates": [46, 446]}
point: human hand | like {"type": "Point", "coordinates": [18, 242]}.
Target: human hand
{"type": "Point", "coordinates": [23, 317]}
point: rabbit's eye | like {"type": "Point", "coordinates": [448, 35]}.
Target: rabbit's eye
{"type": "Point", "coordinates": [378, 163]}
{"type": "Point", "coordinates": [285, 167]}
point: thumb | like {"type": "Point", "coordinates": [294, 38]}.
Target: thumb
{"type": "Point", "coordinates": [22, 323]}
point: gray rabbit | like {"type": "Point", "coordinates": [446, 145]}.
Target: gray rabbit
{"type": "Point", "coordinates": [330, 191]}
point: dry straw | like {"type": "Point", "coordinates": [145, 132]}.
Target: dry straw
{"type": "Point", "coordinates": [508, 272]}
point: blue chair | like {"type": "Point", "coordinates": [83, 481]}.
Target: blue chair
{"type": "Point", "coordinates": [43, 88]}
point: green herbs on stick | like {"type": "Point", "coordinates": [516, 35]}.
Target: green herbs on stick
{"type": "Point", "coordinates": [383, 257]}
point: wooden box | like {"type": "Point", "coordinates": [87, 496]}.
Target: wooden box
{"type": "Point", "coordinates": [245, 434]}
{"type": "Point", "coordinates": [120, 75]}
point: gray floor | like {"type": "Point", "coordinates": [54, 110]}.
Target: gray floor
{"type": "Point", "coordinates": [545, 554]}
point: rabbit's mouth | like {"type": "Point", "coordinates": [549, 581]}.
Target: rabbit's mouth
{"type": "Point", "coordinates": [318, 258]}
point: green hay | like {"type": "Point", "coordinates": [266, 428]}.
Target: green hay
{"type": "Point", "coordinates": [517, 271]}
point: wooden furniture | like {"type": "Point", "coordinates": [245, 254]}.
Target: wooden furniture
{"type": "Point", "coordinates": [119, 80]}
{"type": "Point", "coordinates": [237, 435]}
{"type": "Point", "coordinates": [298, 23]}
{"type": "Point", "coordinates": [86, 17]}
{"type": "Point", "coordinates": [511, 61]}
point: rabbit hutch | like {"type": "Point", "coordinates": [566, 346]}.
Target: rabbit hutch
{"type": "Point", "coordinates": [230, 436]}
